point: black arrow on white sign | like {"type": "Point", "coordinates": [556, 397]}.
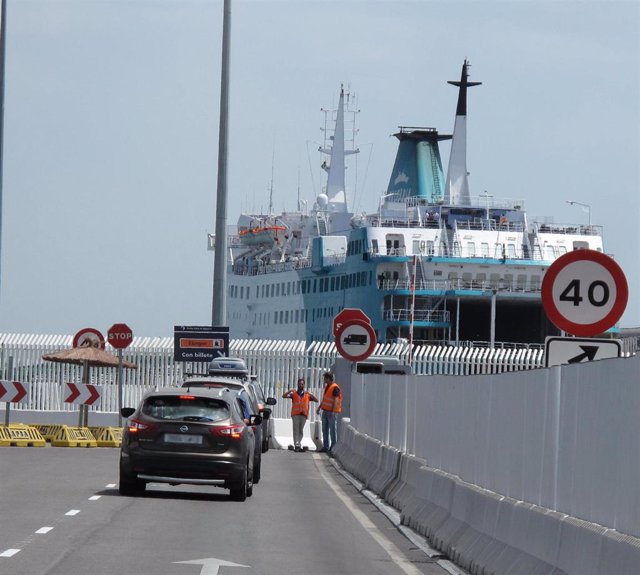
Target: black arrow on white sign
{"type": "Point", "coordinates": [589, 352]}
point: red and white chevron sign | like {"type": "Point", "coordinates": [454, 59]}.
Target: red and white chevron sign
{"type": "Point", "coordinates": [12, 391]}
{"type": "Point", "coordinates": [82, 394]}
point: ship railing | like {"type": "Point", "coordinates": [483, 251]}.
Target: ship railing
{"type": "Point", "coordinates": [460, 284]}
{"type": "Point", "coordinates": [492, 225]}
{"type": "Point", "coordinates": [567, 229]}
{"type": "Point", "coordinates": [422, 315]}
{"type": "Point", "coordinates": [259, 269]}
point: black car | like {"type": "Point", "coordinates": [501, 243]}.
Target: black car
{"type": "Point", "coordinates": [196, 437]}
{"type": "Point", "coordinates": [235, 367]}
{"type": "Point", "coordinates": [247, 398]}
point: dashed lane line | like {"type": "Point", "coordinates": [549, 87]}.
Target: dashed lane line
{"type": "Point", "coordinates": [43, 530]}
{"type": "Point", "coordinates": [9, 552]}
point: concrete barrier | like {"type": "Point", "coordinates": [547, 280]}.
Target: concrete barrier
{"type": "Point", "coordinates": [484, 532]}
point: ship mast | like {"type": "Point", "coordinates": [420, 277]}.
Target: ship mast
{"type": "Point", "coordinates": [457, 186]}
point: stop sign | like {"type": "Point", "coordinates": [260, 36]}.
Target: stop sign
{"type": "Point", "coordinates": [348, 314]}
{"type": "Point", "coordinates": [120, 335]}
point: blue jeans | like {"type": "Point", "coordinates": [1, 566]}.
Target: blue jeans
{"type": "Point", "coordinates": [329, 429]}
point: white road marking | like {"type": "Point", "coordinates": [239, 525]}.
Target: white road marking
{"type": "Point", "coordinates": [111, 485]}
{"type": "Point", "coordinates": [73, 512]}
{"type": "Point", "coordinates": [95, 497]}
{"type": "Point", "coordinates": [394, 553]}
{"type": "Point", "coordinates": [43, 530]}
{"type": "Point", "coordinates": [9, 552]}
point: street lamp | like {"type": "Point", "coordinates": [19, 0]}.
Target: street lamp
{"type": "Point", "coordinates": [582, 205]}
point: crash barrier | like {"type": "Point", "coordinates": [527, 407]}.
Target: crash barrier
{"type": "Point", "coordinates": [66, 436]}
{"type": "Point", "coordinates": [282, 435]}
{"type": "Point", "coordinates": [19, 435]}
{"type": "Point", "coordinates": [107, 436]}
{"type": "Point", "coordinates": [480, 530]}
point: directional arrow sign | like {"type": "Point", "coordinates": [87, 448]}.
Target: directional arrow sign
{"type": "Point", "coordinates": [82, 394]}
{"type": "Point", "coordinates": [12, 391]}
{"type": "Point", "coordinates": [211, 566]}
{"type": "Point", "coordinates": [567, 350]}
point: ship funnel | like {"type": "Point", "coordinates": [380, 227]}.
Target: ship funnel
{"type": "Point", "coordinates": [457, 187]}
{"type": "Point", "coordinates": [417, 171]}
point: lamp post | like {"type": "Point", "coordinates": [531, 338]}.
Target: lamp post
{"type": "Point", "coordinates": [584, 206]}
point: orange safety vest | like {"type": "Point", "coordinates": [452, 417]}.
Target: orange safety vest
{"type": "Point", "coordinates": [328, 399]}
{"type": "Point", "coordinates": [300, 405]}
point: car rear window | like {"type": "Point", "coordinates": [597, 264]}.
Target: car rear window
{"type": "Point", "coordinates": [186, 408]}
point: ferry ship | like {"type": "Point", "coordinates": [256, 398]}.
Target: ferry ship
{"type": "Point", "coordinates": [431, 264]}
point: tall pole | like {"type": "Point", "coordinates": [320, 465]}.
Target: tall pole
{"type": "Point", "coordinates": [219, 300]}
{"type": "Point", "coordinates": [3, 51]}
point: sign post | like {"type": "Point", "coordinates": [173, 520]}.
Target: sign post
{"type": "Point", "coordinates": [120, 336]}
{"type": "Point", "coordinates": [584, 292]}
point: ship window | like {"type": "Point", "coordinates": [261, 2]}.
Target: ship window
{"type": "Point", "coordinates": [430, 247]}
{"type": "Point", "coordinates": [511, 250]}
{"type": "Point", "coordinates": [550, 252]}
{"type": "Point", "coordinates": [363, 278]}
{"type": "Point", "coordinates": [374, 246]}
{"type": "Point", "coordinates": [297, 316]}
{"type": "Point", "coordinates": [275, 317]}
{"type": "Point", "coordinates": [508, 281]}
{"type": "Point", "coordinates": [484, 250]}
{"type": "Point", "coordinates": [333, 284]}
{"type": "Point", "coordinates": [562, 249]}
{"type": "Point", "coordinates": [315, 286]}
{"type": "Point", "coordinates": [304, 287]}
{"type": "Point", "coordinates": [248, 292]}
{"type": "Point", "coordinates": [281, 317]}
{"type": "Point", "coordinates": [241, 292]}
{"type": "Point", "coordinates": [471, 249]}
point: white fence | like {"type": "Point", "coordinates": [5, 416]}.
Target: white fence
{"type": "Point", "coordinates": [565, 438]}
{"type": "Point", "coordinates": [278, 365]}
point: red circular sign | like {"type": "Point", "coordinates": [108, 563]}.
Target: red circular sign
{"type": "Point", "coordinates": [584, 292]}
{"type": "Point", "coordinates": [120, 335]}
{"type": "Point", "coordinates": [88, 337]}
{"type": "Point", "coordinates": [356, 340]}
{"type": "Point", "coordinates": [348, 314]}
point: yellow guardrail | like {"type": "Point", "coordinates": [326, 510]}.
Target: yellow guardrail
{"type": "Point", "coordinates": [107, 436]}
{"type": "Point", "coordinates": [20, 435]}
{"type": "Point", "coordinates": [66, 436]}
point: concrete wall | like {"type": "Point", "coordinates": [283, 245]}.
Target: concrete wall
{"type": "Point", "coordinates": [542, 466]}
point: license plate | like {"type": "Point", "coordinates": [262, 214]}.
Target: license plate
{"type": "Point", "coordinates": [183, 438]}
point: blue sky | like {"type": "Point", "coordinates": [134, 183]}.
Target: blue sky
{"type": "Point", "coordinates": [111, 130]}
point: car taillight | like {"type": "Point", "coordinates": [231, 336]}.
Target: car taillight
{"type": "Point", "coordinates": [233, 431]}
{"type": "Point", "coordinates": [136, 426]}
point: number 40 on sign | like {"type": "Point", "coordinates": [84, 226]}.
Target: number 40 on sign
{"type": "Point", "coordinates": [584, 292]}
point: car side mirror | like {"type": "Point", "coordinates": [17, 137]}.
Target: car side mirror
{"type": "Point", "coordinates": [127, 412]}
{"type": "Point", "coordinates": [271, 401]}
{"type": "Point", "coordinates": [266, 413]}
{"type": "Point", "coordinates": [255, 419]}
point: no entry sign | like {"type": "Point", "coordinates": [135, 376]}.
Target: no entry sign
{"type": "Point", "coordinates": [584, 292]}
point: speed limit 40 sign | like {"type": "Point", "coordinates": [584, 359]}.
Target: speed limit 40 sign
{"type": "Point", "coordinates": [584, 292]}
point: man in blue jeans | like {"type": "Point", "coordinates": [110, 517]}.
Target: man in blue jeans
{"type": "Point", "coordinates": [331, 407]}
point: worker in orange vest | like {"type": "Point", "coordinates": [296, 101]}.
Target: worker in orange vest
{"type": "Point", "coordinates": [300, 399]}
{"type": "Point", "coordinates": [331, 407]}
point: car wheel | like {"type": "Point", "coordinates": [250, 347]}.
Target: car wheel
{"type": "Point", "coordinates": [239, 491]}
{"type": "Point", "coordinates": [130, 485]}
{"type": "Point", "coordinates": [256, 470]}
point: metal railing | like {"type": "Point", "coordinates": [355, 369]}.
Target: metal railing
{"type": "Point", "coordinates": [277, 363]}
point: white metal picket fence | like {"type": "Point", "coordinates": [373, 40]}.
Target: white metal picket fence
{"type": "Point", "coordinates": [278, 365]}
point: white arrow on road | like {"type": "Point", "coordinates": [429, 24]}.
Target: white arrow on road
{"type": "Point", "coordinates": [211, 565]}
